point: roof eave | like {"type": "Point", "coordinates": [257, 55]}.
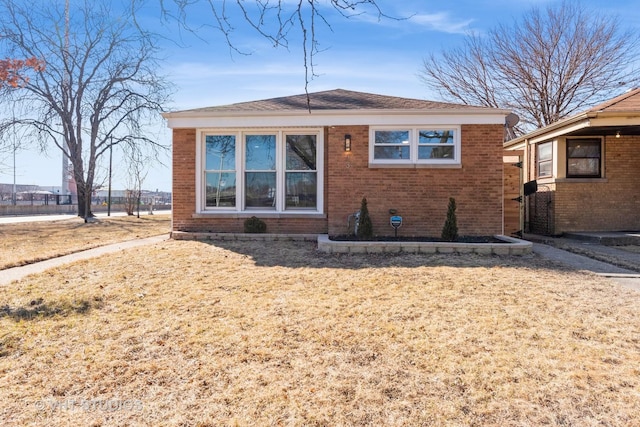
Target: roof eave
{"type": "Point", "coordinates": [554, 128]}
{"type": "Point", "coordinates": [332, 112]}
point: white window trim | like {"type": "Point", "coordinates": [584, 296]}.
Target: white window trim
{"type": "Point", "coordinates": [280, 133]}
{"type": "Point", "coordinates": [552, 160]}
{"type": "Point", "coordinates": [413, 161]}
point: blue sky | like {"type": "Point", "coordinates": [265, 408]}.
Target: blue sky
{"type": "Point", "coordinates": [361, 53]}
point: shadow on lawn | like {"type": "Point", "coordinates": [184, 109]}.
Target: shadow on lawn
{"type": "Point", "coordinates": [295, 254]}
{"type": "Point", "coordinates": [38, 309]}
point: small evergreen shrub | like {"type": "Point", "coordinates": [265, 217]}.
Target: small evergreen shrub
{"type": "Point", "coordinates": [365, 227]}
{"type": "Point", "coordinates": [254, 225]}
{"type": "Point", "coordinates": [450, 229]}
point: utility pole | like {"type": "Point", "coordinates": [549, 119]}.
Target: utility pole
{"type": "Point", "coordinates": [110, 164]}
{"type": "Point", "coordinates": [14, 194]}
{"type": "Point", "coordinates": [64, 190]}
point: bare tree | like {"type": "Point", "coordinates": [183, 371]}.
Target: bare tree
{"type": "Point", "coordinates": [280, 22]}
{"type": "Point", "coordinates": [99, 88]}
{"type": "Point", "coordinates": [136, 174]}
{"type": "Point", "coordinates": [548, 65]}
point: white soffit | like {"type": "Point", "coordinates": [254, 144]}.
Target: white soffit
{"type": "Point", "coordinates": [341, 118]}
{"type": "Point", "coordinates": [561, 131]}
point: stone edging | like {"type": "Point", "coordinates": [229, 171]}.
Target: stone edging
{"type": "Point", "coordinates": [512, 246]}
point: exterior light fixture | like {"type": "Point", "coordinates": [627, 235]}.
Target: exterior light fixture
{"type": "Point", "coordinates": [617, 134]}
{"type": "Point", "coordinates": [347, 143]}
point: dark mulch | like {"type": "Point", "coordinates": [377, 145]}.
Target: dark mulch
{"type": "Point", "coordinates": [461, 239]}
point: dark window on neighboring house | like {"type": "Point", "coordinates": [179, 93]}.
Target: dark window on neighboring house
{"type": "Point", "coordinates": [584, 158]}
{"type": "Point", "coordinates": [545, 160]}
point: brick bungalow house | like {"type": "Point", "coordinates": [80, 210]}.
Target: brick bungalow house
{"type": "Point", "coordinates": [587, 170]}
{"type": "Point", "coordinates": [303, 166]}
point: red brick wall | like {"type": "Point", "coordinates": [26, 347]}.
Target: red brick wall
{"type": "Point", "coordinates": [184, 177]}
{"type": "Point", "coordinates": [419, 195]}
{"type": "Point", "coordinates": [613, 205]}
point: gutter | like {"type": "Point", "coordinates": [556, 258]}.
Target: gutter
{"type": "Point", "coordinates": [548, 130]}
{"type": "Point", "coordinates": [345, 112]}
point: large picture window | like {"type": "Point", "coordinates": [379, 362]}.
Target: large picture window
{"type": "Point", "coordinates": [584, 158]}
{"type": "Point", "coordinates": [262, 171]}
{"type": "Point", "coordinates": [428, 146]}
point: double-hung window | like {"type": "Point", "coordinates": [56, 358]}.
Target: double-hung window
{"type": "Point", "coordinates": [415, 146]}
{"type": "Point", "coordinates": [436, 144]}
{"type": "Point", "coordinates": [220, 171]}
{"type": "Point", "coordinates": [584, 158]}
{"type": "Point", "coordinates": [392, 145]}
{"type": "Point", "coordinates": [260, 188]}
{"type": "Point", "coordinates": [301, 173]}
{"type": "Point", "coordinates": [545, 160]}
{"type": "Point", "coordinates": [276, 170]}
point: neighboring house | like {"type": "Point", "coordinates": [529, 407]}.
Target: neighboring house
{"type": "Point", "coordinates": [587, 169]}
{"type": "Point", "coordinates": [304, 167]}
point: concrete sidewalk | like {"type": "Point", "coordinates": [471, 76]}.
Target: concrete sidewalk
{"type": "Point", "coordinates": [16, 273]}
{"type": "Point", "coordinates": [627, 278]}
{"type": "Point", "coordinates": [62, 217]}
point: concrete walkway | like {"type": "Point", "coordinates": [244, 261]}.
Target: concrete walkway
{"type": "Point", "coordinates": [16, 273]}
{"type": "Point", "coordinates": [62, 217]}
{"type": "Point", "coordinates": [627, 278]}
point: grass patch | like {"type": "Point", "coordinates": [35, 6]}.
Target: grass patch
{"type": "Point", "coordinates": [274, 333]}
{"type": "Point", "coordinates": [26, 243]}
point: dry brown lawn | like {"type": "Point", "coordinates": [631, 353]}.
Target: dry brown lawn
{"type": "Point", "coordinates": [25, 243]}
{"type": "Point", "coordinates": [191, 333]}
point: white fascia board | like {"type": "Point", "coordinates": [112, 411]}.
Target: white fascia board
{"type": "Point", "coordinates": [616, 121]}
{"type": "Point", "coordinates": [519, 146]}
{"type": "Point", "coordinates": [561, 131]}
{"type": "Point", "coordinates": [342, 118]}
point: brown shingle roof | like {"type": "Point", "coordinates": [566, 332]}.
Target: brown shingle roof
{"type": "Point", "coordinates": [338, 99]}
{"type": "Point", "coordinates": [629, 101]}
{"type": "Point", "coordinates": [627, 104]}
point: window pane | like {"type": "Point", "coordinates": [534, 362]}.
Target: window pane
{"type": "Point", "coordinates": [545, 151]}
{"type": "Point", "coordinates": [301, 190]}
{"type": "Point", "coordinates": [583, 167]}
{"type": "Point", "coordinates": [260, 189]}
{"type": "Point", "coordinates": [261, 152]}
{"type": "Point", "coordinates": [435, 137]}
{"type": "Point", "coordinates": [221, 189]}
{"type": "Point", "coordinates": [220, 151]}
{"type": "Point", "coordinates": [392, 137]}
{"type": "Point", "coordinates": [544, 168]}
{"type": "Point", "coordinates": [301, 152]}
{"type": "Point", "coordinates": [431, 152]}
{"type": "Point", "coordinates": [583, 148]}
{"type": "Point", "coordinates": [393, 153]}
